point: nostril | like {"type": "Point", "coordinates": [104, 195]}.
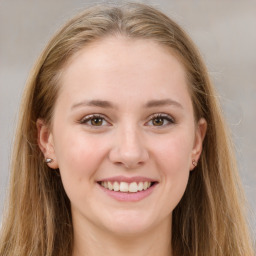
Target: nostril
{"type": "Point", "coordinates": [129, 165]}
{"type": "Point", "coordinates": [119, 163]}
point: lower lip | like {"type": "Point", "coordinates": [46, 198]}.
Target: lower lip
{"type": "Point", "coordinates": [128, 196]}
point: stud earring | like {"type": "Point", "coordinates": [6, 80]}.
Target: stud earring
{"type": "Point", "coordinates": [194, 162]}
{"type": "Point", "coordinates": [48, 160]}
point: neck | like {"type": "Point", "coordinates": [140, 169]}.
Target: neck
{"type": "Point", "coordinates": [91, 241]}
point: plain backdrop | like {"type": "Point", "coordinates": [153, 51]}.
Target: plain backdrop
{"type": "Point", "coordinates": [224, 31]}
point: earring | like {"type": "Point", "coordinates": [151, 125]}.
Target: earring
{"type": "Point", "coordinates": [48, 160]}
{"type": "Point", "coordinates": [194, 162]}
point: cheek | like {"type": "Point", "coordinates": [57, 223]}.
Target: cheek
{"type": "Point", "coordinates": [173, 162]}
{"type": "Point", "coordinates": [78, 155]}
{"type": "Point", "coordinates": [174, 153]}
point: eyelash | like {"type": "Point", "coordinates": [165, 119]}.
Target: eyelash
{"type": "Point", "coordinates": [87, 119]}
{"type": "Point", "coordinates": [164, 117]}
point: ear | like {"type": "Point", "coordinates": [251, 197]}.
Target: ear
{"type": "Point", "coordinates": [200, 132]}
{"type": "Point", "coordinates": [45, 143]}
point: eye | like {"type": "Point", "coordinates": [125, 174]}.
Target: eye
{"type": "Point", "coordinates": [160, 120]}
{"type": "Point", "coordinates": [94, 120]}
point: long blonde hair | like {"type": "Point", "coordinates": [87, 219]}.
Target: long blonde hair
{"type": "Point", "coordinates": [210, 218]}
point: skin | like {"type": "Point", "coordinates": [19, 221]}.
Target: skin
{"type": "Point", "coordinates": [128, 74]}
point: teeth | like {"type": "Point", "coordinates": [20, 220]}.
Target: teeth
{"type": "Point", "coordinates": [126, 187]}
{"type": "Point", "coordinates": [145, 185]}
{"type": "Point", "coordinates": [133, 187]}
{"type": "Point", "coordinates": [116, 186]}
{"type": "Point", "coordinates": [140, 186]}
{"type": "Point", "coordinates": [109, 186]}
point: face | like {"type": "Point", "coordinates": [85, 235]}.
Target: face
{"type": "Point", "coordinates": [123, 135]}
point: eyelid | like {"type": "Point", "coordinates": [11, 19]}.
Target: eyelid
{"type": "Point", "coordinates": [165, 116]}
{"type": "Point", "coordinates": [87, 118]}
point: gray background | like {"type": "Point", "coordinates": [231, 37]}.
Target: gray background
{"type": "Point", "coordinates": [223, 30]}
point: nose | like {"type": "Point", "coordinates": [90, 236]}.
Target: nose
{"type": "Point", "coordinates": [128, 149]}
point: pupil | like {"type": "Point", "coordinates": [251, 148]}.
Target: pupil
{"type": "Point", "coordinates": [97, 121]}
{"type": "Point", "coordinates": [158, 121]}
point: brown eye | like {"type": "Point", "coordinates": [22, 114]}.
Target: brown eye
{"type": "Point", "coordinates": [158, 121]}
{"type": "Point", "coordinates": [97, 121]}
{"type": "Point", "coordinates": [94, 120]}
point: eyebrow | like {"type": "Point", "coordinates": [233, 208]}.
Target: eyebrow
{"type": "Point", "coordinates": [164, 102]}
{"type": "Point", "coordinates": [107, 104]}
{"type": "Point", "coordinates": [93, 103]}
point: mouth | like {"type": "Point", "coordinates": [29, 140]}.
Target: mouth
{"type": "Point", "coordinates": [127, 187]}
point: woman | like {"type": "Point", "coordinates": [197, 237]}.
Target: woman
{"type": "Point", "coordinates": [121, 146]}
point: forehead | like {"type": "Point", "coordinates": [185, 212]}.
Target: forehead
{"type": "Point", "coordinates": [130, 67]}
{"type": "Point", "coordinates": [125, 51]}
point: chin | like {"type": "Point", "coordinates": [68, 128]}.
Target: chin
{"type": "Point", "coordinates": [129, 223]}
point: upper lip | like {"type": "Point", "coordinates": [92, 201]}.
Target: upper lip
{"type": "Point", "coordinates": [128, 179]}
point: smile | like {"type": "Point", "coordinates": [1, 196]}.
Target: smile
{"type": "Point", "coordinates": [132, 187]}
{"type": "Point", "coordinates": [128, 189]}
